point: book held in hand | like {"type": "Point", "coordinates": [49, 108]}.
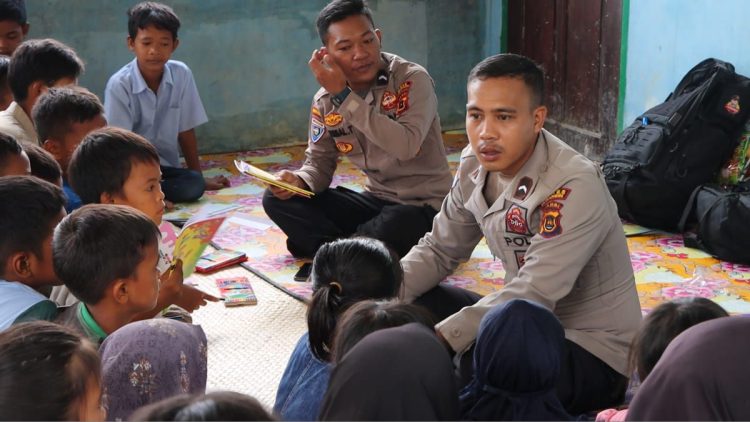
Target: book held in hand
{"type": "Point", "coordinates": [268, 178]}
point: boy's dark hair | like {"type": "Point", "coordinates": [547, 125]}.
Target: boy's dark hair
{"type": "Point", "coordinates": [45, 369]}
{"type": "Point", "coordinates": [368, 316]}
{"type": "Point", "coordinates": [13, 10]}
{"type": "Point", "coordinates": [338, 10]}
{"type": "Point", "coordinates": [663, 324]}
{"type": "Point", "coordinates": [98, 244]}
{"type": "Point", "coordinates": [43, 164]}
{"type": "Point", "coordinates": [44, 60]}
{"type": "Point", "coordinates": [9, 147]}
{"type": "Point", "coordinates": [509, 65]}
{"type": "Point", "coordinates": [29, 207]}
{"type": "Point", "coordinates": [4, 66]}
{"type": "Point", "coordinates": [215, 406]}
{"type": "Point", "coordinates": [344, 272]}
{"type": "Point", "coordinates": [102, 161]}
{"type": "Point", "coordinates": [150, 13]}
{"type": "Point", "coordinates": [55, 111]}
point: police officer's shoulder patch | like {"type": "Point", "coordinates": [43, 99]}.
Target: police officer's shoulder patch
{"type": "Point", "coordinates": [550, 225]}
{"type": "Point", "coordinates": [317, 129]}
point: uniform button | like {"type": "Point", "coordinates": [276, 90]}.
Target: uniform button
{"type": "Point", "coordinates": [456, 332]}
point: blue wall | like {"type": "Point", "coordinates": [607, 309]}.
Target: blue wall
{"type": "Point", "coordinates": [666, 38]}
{"type": "Point", "coordinates": [250, 58]}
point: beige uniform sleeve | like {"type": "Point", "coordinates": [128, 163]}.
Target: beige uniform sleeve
{"type": "Point", "coordinates": [403, 136]}
{"type": "Point", "coordinates": [320, 156]}
{"type": "Point", "coordinates": [455, 233]}
{"type": "Point", "coordinates": [552, 262]}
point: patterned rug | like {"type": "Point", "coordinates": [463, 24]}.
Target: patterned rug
{"type": "Point", "coordinates": [664, 268]}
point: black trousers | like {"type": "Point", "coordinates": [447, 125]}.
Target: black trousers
{"type": "Point", "coordinates": [586, 383]}
{"type": "Point", "coordinates": [339, 213]}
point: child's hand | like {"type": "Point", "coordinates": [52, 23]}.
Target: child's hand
{"type": "Point", "coordinates": [216, 183]}
{"type": "Point", "coordinates": [171, 283]}
{"type": "Point", "coordinates": [192, 298]}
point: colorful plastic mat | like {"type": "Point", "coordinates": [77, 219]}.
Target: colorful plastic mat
{"type": "Point", "coordinates": [664, 268]}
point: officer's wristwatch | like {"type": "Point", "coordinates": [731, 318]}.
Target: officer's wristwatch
{"type": "Point", "coordinates": [341, 96]}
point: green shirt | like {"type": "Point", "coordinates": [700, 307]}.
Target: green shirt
{"type": "Point", "coordinates": [80, 319]}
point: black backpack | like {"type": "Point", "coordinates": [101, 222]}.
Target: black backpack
{"type": "Point", "coordinates": [659, 160]}
{"type": "Point", "coordinates": [723, 221]}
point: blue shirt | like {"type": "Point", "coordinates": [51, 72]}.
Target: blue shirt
{"type": "Point", "coordinates": [16, 299]}
{"type": "Point", "coordinates": [159, 117]}
{"type": "Point", "coordinates": [73, 201]}
{"type": "Point", "coordinates": [303, 384]}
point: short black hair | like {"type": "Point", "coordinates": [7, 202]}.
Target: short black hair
{"type": "Point", "coordinates": [663, 324]}
{"type": "Point", "coordinates": [45, 370]}
{"type": "Point", "coordinates": [102, 161]}
{"type": "Point", "coordinates": [150, 13]}
{"type": "Point", "coordinates": [44, 60]}
{"type": "Point", "coordinates": [13, 10]}
{"type": "Point", "coordinates": [509, 65]}
{"type": "Point", "coordinates": [98, 244]}
{"type": "Point", "coordinates": [9, 147]}
{"type": "Point", "coordinates": [29, 207]}
{"type": "Point", "coordinates": [338, 10]}
{"type": "Point", "coordinates": [4, 66]}
{"type": "Point", "coordinates": [58, 109]}
{"type": "Point", "coordinates": [368, 316]}
{"type": "Point", "coordinates": [214, 406]}
{"type": "Point", "coordinates": [43, 164]}
{"type": "Point", "coordinates": [345, 272]}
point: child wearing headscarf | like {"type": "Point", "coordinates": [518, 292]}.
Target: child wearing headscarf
{"type": "Point", "coordinates": [147, 361]}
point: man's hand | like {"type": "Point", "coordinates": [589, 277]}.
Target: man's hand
{"type": "Point", "coordinates": [327, 72]}
{"type": "Point", "coordinates": [288, 177]}
{"type": "Point", "coordinates": [216, 183]}
{"type": "Point", "coordinates": [192, 298]}
{"type": "Point", "coordinates": [445, 343]}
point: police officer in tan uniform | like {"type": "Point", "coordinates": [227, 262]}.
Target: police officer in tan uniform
{"type": "Point", "coordinates": [547, 215]}
{"type": "Point", "coordinates": [381, 112]}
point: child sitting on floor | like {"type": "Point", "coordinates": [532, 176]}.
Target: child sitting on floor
{"type": "Point", "coordinates": [43, 164]}
{"type": "Point", "coordinates": [30, 210]}
{"type": "Point", "coordinates": [369, 316]}
{"type": "Point", "coordinates": [13, 159]}
{"type": "Point", "coordinates": [48, 373]}
{"type": "Point", "coordinates": [116, 166]}
{"type": "Point", "coordinates": [172, 352]}
{"type": "Point", "coordinates": [107, 256]}
{"type": "Point", "coordinates": [157, 98]}
{"type": "Point", "coordinates": [343, 272]}
{"type": "Point", "coordinates": [658, 329]}
{"type": "Point", "coordinates": [63, 117]}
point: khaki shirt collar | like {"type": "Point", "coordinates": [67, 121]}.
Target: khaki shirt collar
{"type": "Point", "coordinates": [23, 119]}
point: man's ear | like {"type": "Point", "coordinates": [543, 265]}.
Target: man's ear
{"type": "Point", "coordinates": [120, 291]}
{"type": "Point", "coordinates": [379, 34]}
{"type": "Point", "coordinates": [540, 114]}
{"type": "Point", "coordinates": [176, 43]}
{"type": "Point", "coordinates": [25, 29]}
{"type": "Point", "coordinates": [131, 43]}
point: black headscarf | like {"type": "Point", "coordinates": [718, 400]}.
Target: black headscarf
{"type": "Point", "coordinates": [702, 375]}
{"type": "Point", "coordinates": [517, 362]}
{"type": "Point", "coordinates": [401, 373]}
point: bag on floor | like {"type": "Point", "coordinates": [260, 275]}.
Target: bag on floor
{"type": "Point", "coordinates": [659, 160]}
{"type": "Point", "coordinates": [723, 221]}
